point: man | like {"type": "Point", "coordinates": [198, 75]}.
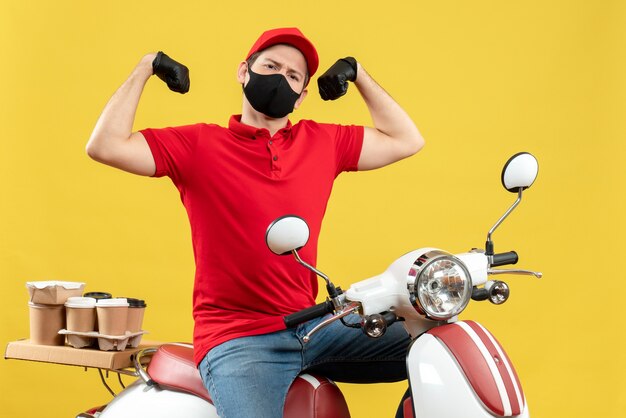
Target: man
{"type": "Point", "coordinates": [233, 182]}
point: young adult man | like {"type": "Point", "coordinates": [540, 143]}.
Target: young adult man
{"type": "Point", "coordinates": [233, 182]}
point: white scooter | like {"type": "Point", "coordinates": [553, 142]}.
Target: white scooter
{"type": "Point", "coordinates": [455, 368]}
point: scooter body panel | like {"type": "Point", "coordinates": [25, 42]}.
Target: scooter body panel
{"type": "Point", "coordinates": [141, 400]}
{"type": "Point", "coordinates": [442, 386]}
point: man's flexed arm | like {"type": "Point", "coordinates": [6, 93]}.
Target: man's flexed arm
{"type": "Point", "coordinates": [112, 141]}
{"type": "Point", "coordinates": [394, 135]}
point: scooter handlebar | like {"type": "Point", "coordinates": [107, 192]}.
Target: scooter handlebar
{"type": "Point", "coordinates": [504, 259]}
{"type": "Point", "coordinates": [307, 314]}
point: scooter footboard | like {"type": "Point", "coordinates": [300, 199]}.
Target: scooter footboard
{"type": "Point", "coordinates": [460, 369]}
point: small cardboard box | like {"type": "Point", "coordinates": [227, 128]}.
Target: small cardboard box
{"type": "Point", "coordinates": [111, 360]}
{"type": "Point", "coordinates": [53, 292]}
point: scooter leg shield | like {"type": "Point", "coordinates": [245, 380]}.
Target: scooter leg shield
{"type": "Point", "coordinates": [459, 370]}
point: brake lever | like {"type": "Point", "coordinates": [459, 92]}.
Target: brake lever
{"type": "Point", "coordinates": [347, 310]}
{"type": "Point", "coordinates": [519, 272]}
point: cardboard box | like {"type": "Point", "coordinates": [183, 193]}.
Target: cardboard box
{"type": "Point", "coordinates": [53, 292]}
{"type": "Point", "coordinates": [85, 357]}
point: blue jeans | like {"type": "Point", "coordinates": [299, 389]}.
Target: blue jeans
{"type": "Point", "coordinates": [250, 376]}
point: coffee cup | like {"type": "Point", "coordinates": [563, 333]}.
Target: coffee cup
{"type": "Point", "coordinates": [81, 314]}
{"type": "Point", "coordinates": [97, 296]}
{"type": "Point", "coordinates": [136, 309]}
{"type": "Point", "coordinates": [45, 323]}
{"type": "Point", "coordinates": [112, 316]}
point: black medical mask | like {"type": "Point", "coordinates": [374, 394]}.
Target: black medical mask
{"type": "Point", "coordinates": [270, 94]}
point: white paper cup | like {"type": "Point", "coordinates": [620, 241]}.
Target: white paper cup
{"type": "Point", "coordinates": [112, 316]}
{"type": "Point", "coordinates": [45, 323]}
{"type": "Point", "coordinates": [80, 314]}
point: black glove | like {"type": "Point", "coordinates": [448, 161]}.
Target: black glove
{"type": "Point", "coordinates": [175, 74]}
{"type": "Point", "coordinates": [334, 82]}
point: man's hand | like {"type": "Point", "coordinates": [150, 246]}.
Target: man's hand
{"type": "Point", "coordinates": [175, 74]}
{"type": "Point", "coordinates": [334, 82]}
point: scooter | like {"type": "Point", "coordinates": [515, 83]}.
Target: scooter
{"type": "Point", "coordinates": [456, 368]}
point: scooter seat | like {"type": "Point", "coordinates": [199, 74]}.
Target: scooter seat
{"type": "Point", "coordinates": [309, 396]}
{"type": "Point", "coordinates": [172, 366]}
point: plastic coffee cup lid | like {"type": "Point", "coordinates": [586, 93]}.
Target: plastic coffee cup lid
{"type": "Point", "coordinates": [136, 303]}
{"type": "Point", "coordinates": [80, 302]}
{"type": "Point", "coordinates": [98, 295]}
{"type": "Point", "coordinates": [110, 303]}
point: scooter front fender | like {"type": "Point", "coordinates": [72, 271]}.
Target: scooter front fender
{"type": "Point", "coordinates": [460, 370]}
{"type": "Point", "coordinates": [141, 400]}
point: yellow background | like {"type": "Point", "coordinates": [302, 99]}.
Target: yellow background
{"type": "Point", "coordinates": [482, 79]}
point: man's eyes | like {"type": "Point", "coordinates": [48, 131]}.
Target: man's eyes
{"type": "Point", "coordinates": [275, 67]}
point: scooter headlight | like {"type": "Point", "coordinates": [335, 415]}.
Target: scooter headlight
{"type": "Point", "coordinates": [442, 286]}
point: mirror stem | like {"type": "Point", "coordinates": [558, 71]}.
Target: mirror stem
{"type": "Point", "coordinates": [332, 291]}
{"type": "Point", "coordinates": [489, 244]}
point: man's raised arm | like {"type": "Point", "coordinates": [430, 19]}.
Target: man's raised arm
{"type": "Point", "coordinates": [112, 141]}
{"type": "Point", "coordinates": [394, 135]}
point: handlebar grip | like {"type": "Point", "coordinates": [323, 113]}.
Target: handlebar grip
{"type": "Point", "coordinates": [307, 314]}
{"type": "Point", "coordinates": [504, 259]}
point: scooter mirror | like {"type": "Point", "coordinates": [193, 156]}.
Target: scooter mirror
{"type": "Point", "coordinates": [520, 172]}
{"type": "Point", "coordinates": [286, 234]}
